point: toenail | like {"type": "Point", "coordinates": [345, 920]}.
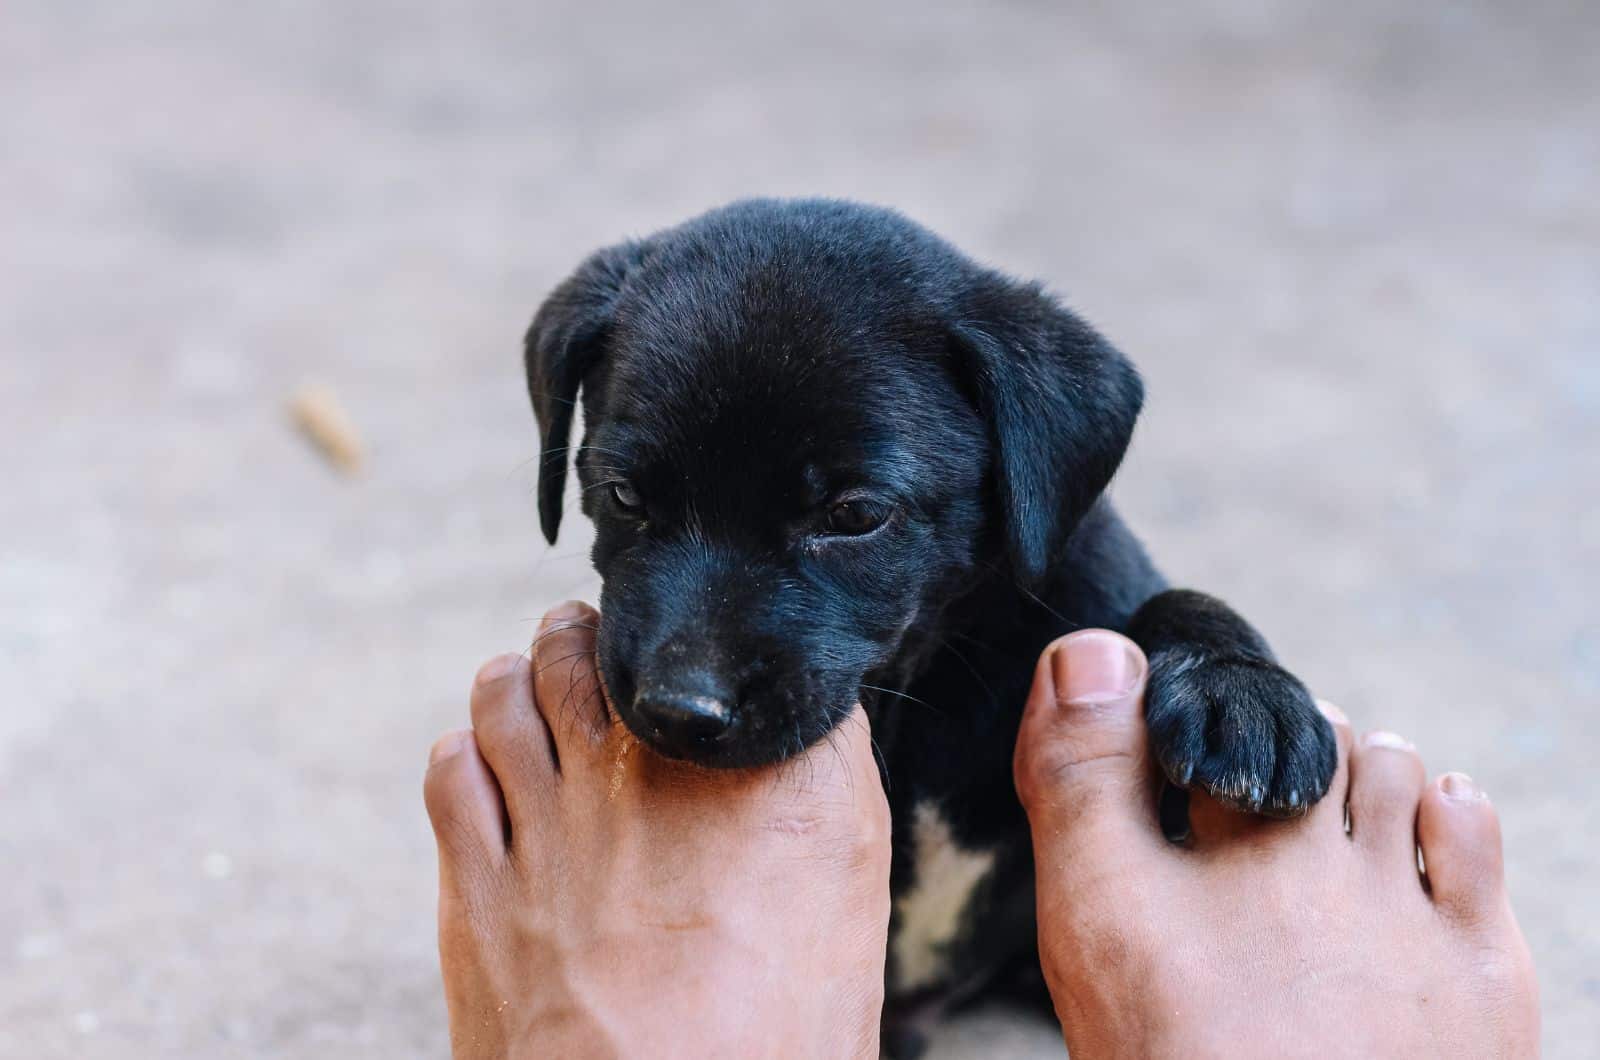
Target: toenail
{"type": "Point", "coordinates": [1332, 713]}
{"type": "Point", "coordinates": [1387, 740]}
{"type": "Point", "coordinates": [448, 746]}
{"type": "Point", "coordinates": [1460, 786]}
{"type": "Point", "coordinates": [1096, 666]}
{"type": "Point", "coordinates": [497, 667]}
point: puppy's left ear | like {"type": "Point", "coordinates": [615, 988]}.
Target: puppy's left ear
{"type": "Point", "coordinates": [564, 343]}
{"type": "Point", "coordinates": [1060, 401]}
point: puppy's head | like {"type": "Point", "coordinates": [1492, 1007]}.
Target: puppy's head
{"type": "Point", "coordinates": [807, 425]}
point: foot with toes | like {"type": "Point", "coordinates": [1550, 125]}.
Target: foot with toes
{"type": "Point", "coordinates": [1261, 937]}
{"type": "Point", "coordinates": [597, 900]}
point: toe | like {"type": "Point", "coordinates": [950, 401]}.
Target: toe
{"type": "Point", "coordinates": [464, 804]}
{"type": "Point", "coordinates": [1459, 833]}
{"type": "Point", "coordinates": [1386, 779]}
{"type": "Point", "coordinates": [566, 678]}
{"type": "Point", "coordinates": [511, 735]}
{"type": "Point", "coordinates": [1081, 760]}
{"type": "Point", "coordinates": [1328, 815]}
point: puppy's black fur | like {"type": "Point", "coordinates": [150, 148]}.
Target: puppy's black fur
{"type": "Point", "coordinates": [830, 458]}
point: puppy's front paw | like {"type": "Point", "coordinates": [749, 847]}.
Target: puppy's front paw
{"type": "Point", "coordinates": [1243, 729]}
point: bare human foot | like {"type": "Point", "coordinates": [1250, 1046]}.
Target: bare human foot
{"type": "Point", "coordinates": [595, 899]}
{"type": "Point", "coordinates": [1261, 937]}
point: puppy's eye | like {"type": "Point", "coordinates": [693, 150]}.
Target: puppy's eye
{"type": "Point", "coordinates": [856, 517]}
{"type": "Point", "coordinates": [627, 496]}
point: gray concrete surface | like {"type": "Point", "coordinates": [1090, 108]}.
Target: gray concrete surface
{"type": "Point", "coordinates": [1354, 248]}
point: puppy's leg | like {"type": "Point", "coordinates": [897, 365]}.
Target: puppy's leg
{"type": "Point", "coordinates": [1223, 715]}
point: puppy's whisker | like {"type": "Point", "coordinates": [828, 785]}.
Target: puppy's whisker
{"type": "Point", "coordinates": [522, 464]}
{"type": "Point", "coordinates": [1031, 595]}
{"type": "Point", "coordinates": [882, 760]}
{"type": "Point", "coordinates": [964, 661]}
{"type": "Point", "coordinates": [541, 670]}
{"type": "Point", "coordinates": [545, 395]}
{"type": "Point", "coordinates": [557, 450]}
{"type": "Point", "coordinates": [571, 711]}
{"type": "Point", "coordinates": [568, 710]}
{"type": "Point", "coordinates": [557, 628]}
{"type": "Point", "coordinates": [904, 695]}
{"type": "Point", "coordinates": [968, 637]}
{"type": "Point", "coordinates": [595, 695]}
{"type": "Point", "coordinates": [838, 756]}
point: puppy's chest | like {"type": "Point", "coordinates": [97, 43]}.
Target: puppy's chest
{"type": "Point", "coordinates": [934, 915]}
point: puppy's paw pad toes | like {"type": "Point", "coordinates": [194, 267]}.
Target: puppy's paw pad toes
{"type": "Point", "coordinates": [1244, 730]}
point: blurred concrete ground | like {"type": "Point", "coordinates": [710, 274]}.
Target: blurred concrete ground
{"type": "Point", "coordinates": [1354, 248]}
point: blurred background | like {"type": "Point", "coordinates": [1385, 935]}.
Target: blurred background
{"type": "Point", "coordinates": [1353, 248]}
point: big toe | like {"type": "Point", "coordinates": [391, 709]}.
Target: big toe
{"type": "Point", "coordinates": [1081, 761]}
{"type": "Point", "coordinates": [1459, 833]}
{"type": "Point", "coordinates": [567, 684]}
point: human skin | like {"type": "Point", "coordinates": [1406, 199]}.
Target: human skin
{"type": "Point", "coordinates": [1258, 937]}
{"type": "Point", "coordinates": [596, 900]}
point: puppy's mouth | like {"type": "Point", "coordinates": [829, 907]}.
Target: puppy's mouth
{"type": "Point", "coordinates": [729, 747]}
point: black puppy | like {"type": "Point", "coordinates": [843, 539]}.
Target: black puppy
{"type": "Point", "coordinates": [830, 458]}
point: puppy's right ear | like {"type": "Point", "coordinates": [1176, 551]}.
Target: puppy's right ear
{"type": "Point", "coordinates": [565, 341]}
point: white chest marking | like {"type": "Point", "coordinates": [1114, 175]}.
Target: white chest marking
{"type": "Point", "coordinates": [930, 913]}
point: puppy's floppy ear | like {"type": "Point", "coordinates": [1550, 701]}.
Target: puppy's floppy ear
{"type": "Point", "coordinates": [1060, 402]}
{"type": "Point", "coordinates": [564, 343]}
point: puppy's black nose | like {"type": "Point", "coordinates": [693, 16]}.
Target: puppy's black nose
{"type": "Point", "coordinates": [684, 720]}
